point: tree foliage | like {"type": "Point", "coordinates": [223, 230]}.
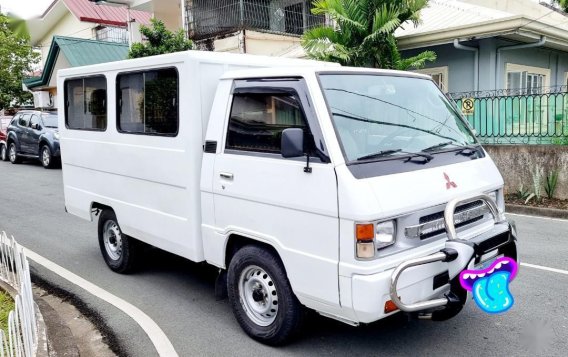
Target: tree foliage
{"type": "Point", "coordinates": [363, 33]}
{"type": "Point", "coordinates": [159, 40]}
{"type": "Point", "coordinates": [563, 4]}
{"type": "Point", "coordinates": [16, 60]}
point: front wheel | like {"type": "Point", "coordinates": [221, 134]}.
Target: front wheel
{"type": "Point", "coordinates": [46, 157]}
{"type": "Point", "coordinates": [3, 153]}
{"type": "Point", "coordinates": [13, 154]}
{"type": "Point", "coordinates": [119, 250]}
{"type": "Point", "coordinates": [261, 296]}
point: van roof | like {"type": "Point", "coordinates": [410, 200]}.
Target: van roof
{"type": "Point", "coordinates": [199, 56]}
{"type": "Point", "coordinates": [303, 71]}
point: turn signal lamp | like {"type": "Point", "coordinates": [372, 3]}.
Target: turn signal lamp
{"type": "Point", "coordinates": [390, 306]}
{"type": "Point", "coordinates": [365, 232]}
{"type": "Point", "coordinates": [365, 235]}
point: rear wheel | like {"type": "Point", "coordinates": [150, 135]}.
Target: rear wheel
{"type": "Point", "coordinates": [3, 153]}
{"type": "Point", "coordinates": [46, 157]}
{"type": "Point", "coordinates": [118, 249]}
{"type": "Point", "coordinates": [261, 296]}
{"type": "Point", "coordinates": [13, 154]}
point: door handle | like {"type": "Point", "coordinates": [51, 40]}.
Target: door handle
{"type": "Point", "coordinates": [226, 175]}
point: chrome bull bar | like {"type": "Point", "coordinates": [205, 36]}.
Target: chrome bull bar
{"type": "Point", "coordinates": [456, 252]}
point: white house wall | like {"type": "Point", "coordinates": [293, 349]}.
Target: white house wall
{"type": "Point", "coordinates": [67, 26]}
{"type": "Point", "coordinates": [259, 43]}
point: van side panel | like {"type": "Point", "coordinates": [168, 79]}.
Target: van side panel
{"type": "Point", "coordinates": [149, 181]}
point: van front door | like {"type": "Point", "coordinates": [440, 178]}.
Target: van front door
{"type": "Point", "coordinates": [261, 195]}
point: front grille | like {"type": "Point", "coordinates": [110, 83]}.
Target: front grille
{"type": "Point", "coordinates": [440, 215]}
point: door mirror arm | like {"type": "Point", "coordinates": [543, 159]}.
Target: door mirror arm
{"type": "Point", "coordinates": [308, 169]}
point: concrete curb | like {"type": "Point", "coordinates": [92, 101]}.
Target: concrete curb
{"type": "Point", "coordinates": [537, 211]}
{"type": "Point", "coordinates": [59, 336]}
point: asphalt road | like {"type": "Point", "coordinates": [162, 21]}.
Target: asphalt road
{"type": "Point", "coordinates": [179, 295]}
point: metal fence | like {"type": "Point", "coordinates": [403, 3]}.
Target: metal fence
{"type": "Point", "coordinates": [536, 116]}
{"type": "Point", "coordinates": [22, 339]}
{"type": "Point", "coordinates": [212, 18]}
{"type": "Point", "coordinates": [112, 34]}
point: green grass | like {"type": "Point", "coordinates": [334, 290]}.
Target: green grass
{"type": "Point", "coordinates": [6, 305]}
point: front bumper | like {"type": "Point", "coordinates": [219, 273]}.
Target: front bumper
{"type": "Point", "coordinates": [429, 281]}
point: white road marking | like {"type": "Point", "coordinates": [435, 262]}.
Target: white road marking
{"type": "Point", "coordinates": [161, 342]}
{"type": "Point", "coordinates": [540, 267]}
{"type": "Point", "coordinates": [537, 217]}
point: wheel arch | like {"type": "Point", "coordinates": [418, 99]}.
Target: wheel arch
{"type": "Point", "coordinates": [237, 241]}
{"type": "Point", "coordinates": [43, 141]}
{"type": "Point", "coordinates": [97, 208]}
{"type": "Point", "coordinates": [12, 138]}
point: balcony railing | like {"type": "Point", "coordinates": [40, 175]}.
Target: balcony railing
{"type": "Point", "coordinates": [213, 18]}
{"type": "Point", "coordinates": [112, 34]}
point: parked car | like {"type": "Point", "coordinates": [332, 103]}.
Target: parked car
{"type": "Point", "coordinates": [3, 146]}
{"type": "Point", "coordinates": [33, 134]}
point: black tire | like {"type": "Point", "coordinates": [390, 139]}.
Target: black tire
{"type": "Point", "coordinates": [46, 158]}
{"type": "Point", "coordinates": [289, 314]}
{"type": "Point", "coordinates": [127, 249]}
{"type": "Point", "coordinates": [14, 158]}
{"type": "Point", "coordinates": [3, 153]}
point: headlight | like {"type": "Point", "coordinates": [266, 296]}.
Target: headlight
{"type": "Point", "coordinates": [386, 233]}
{"type": "Point", "coordinates": [372, 236]}
{"type": "Point", "coordinates": [56, 135]}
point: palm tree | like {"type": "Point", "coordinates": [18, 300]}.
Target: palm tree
{"type": "Point", "coordinates": [363, 33]}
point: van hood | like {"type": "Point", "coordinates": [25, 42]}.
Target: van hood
{"type": "Point", "coordinates": [392, 195]}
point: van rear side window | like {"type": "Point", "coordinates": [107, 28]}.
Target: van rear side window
{"type": "Point", "coordinates": [86, 103]}
{"type": "Point", "coordinates": [147, 102]}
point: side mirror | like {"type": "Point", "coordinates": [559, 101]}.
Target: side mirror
{"type": "Point", "coordinates": [292, 142]}
{"type": "Point", "coordinates": [36, 126]}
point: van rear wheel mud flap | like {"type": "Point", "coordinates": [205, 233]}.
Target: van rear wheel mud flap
{"type": "Point", "coordinates": [458, 254]}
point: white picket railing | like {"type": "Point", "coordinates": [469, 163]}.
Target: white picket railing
{"type": "Point", "coordinates": [22, 338]}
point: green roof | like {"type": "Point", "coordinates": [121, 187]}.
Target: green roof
{"type": "Point", "coordinates": [78, 52]}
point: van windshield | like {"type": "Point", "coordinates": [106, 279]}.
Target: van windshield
{"type": "Point", "coordinates": [379, 116]}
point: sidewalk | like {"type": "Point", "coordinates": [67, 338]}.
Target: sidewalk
{"type": "Point", "coordinates": [69, 332]}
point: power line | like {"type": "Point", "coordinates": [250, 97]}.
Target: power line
{"type": "Point", "coordinates": [534, 20]}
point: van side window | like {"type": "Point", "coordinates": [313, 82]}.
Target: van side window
{"type": "Point", "coordinates": [86, 103]}
{"type": "Point", "coordinates": [257, 121]}
{"type": "Point", "coordinates": [147, 102]}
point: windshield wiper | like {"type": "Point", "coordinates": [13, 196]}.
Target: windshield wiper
{"type": "Point", "coordinates": [439, 146]}
{"type": "Point", "coordinates": [379, 154]}
{"type": "Point", "coordinates": [383, 153]}
{"type": "Point", "coordinates": [468, 150]}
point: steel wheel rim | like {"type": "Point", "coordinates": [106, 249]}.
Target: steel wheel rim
{"type": "Point", "coordinates": [112, 239]}
{"type": "Point", "coordinates": [12, 153]}
{"type": "Point", "coordinates": [45, 157]}
{"type": "Point", "coordinates": [258, 295]}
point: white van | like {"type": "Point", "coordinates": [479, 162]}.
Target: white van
{"type": "Point", "coordinates": [354, 192]}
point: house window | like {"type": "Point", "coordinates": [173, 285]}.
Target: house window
{"type": "Point", "coordinates": [439, 76]}
{"type": "Point", "coordinates": [526, 79]}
